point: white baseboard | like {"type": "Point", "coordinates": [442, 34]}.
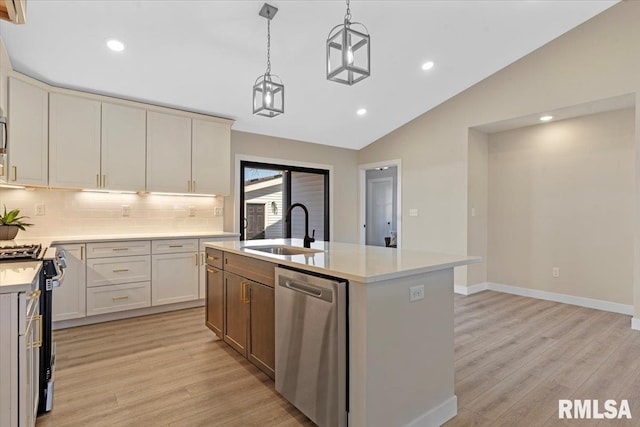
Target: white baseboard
{"type": "Point", "coordinates": [635, 323]}
{"type": "Point", "coordinates": [470, 290]}
{"type": "Point", "coordinates": [438, 415]}
{"type": "Point", "coordinates": [566, 299]}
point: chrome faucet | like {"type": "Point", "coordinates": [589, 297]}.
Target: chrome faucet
{"type": "Point", "coordinates": [307, 239]}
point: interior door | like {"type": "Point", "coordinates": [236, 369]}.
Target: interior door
{"type": "Point", "coordinates": [379, 210]}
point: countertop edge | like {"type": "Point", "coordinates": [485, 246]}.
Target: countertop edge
{"type": "Point", "coordinates": [343, 275]}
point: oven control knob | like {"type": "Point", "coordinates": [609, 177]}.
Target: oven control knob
{"type": "Point", "coordinates": [55, 283]}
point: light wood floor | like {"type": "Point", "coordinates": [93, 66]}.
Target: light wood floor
{"type": "Point", "coordinates": [515, 357]}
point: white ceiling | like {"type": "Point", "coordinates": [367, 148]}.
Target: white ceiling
{"type": "Point", "coordinates": [205, 55]}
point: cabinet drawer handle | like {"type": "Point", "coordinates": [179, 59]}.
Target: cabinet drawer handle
{"type": "Point", "coordinates": [81, 252]}
{"type": "Point", "coordinates": [201, 258]}
{"type": "Point", "coordinates": [244, 295]}
{"type": "Point", "coordinates": [104, 181]}
{"type": "Point", "coordinates": [119, 249]}
{"type": "Point", "coordinates": [121, 270]}
{"type": "Point", "coordinates": [120, 298]}
{"type": "Point", "coordinates": [211, 270]}
{"type": "Point", "coordinates": [98, 180]}
{"type": "Point", "coordinates": [15, 173]}
{"type": "Point", "coordinates": [38, 318]}
{"type": "Point", "coordinates": [175, 246]}
{"type": "Point", "coordinates": [212, 258]}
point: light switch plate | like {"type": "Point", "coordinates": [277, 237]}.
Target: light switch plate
{"type": "Point", "coordinates": [40, 209]}
{"type": "Point", "coordinates": [126, 210]}
{"type": "Point", "coordinates": [217, 212]}
{"type": "Point", "coordinates": [192, 211]}
{"type": "Point", "coordinates": [413, 212]}
{"type": "Point", "coordinates": [416, 293]}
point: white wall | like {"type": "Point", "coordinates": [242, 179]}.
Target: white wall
{"type": "Point", "coordinates": [594, 61]}
{"type": "Point", "coordinates": [561, 195]}
{"type": "Point", "coordinates": [478, 195]}
{"type": "Point", "coordinates": [81, 213]}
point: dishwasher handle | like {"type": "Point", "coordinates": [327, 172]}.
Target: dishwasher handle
{"type": "Point", "coordinates": [307, 289]}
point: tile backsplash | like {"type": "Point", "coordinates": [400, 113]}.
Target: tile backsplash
{"type": "Point", "coordinates": [80, 212]}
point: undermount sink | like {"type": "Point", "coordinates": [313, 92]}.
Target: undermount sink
{"type": "Point", "coordinates": [282, 249]}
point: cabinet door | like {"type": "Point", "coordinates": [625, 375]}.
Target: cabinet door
{"type": "Point", "coordinates": [210, 157]}
{"type": "Point", "coordinates": [174, 278]}
{"type": "Point", "coordinates": [123, 147]}
{"type": "Point", "coordinates": [215, 300]}
{"type": "Point", "coordinates": [74, 141]}
{"type": "Point", "coordinates": [236, 312]}
{"type": "Point", "coordinates": [168, 153]}
{"type": "Point", "coordinates": [262, 337]}
{"type": "Point", "coordinates": [28, 134]}
{"type": "Point", "coordinates": [69, 300]}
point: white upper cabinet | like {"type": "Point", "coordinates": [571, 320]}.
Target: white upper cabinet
{"type": "Point", "coordinates": [28, 126]}
{"type": "Point", "coordinates": [210, 157]}
{"type": "Point", "coordinates": [168, 153]}
{"type": "Point", "coordinates": [74, 141]}
{"type": "Point", "coordinates": [123, 147]}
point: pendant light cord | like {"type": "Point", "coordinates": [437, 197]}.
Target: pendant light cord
{"type": "Point", "coordinates": [268, 73]}
{"type": "Point", "coordinates": [347, 16]}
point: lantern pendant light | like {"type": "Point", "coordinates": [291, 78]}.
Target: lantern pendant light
{"type": "Point", "coordinates": [268, 90]}
{"type": "Point", "coordinates": [348, 52]}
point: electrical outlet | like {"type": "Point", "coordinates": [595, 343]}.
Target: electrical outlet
{"type": "Point", "coordinates": [126, 210]}
{"type": "Point", "coordinates": [555, 271]}
{"type": "Point", "coordinates": [473, 211]}
{"type": "Point", "coordinates": [413, 212]}
{"type": "Point", "coordinates": [416, 293]}
{"type": "Point", "coordinates": [192, 211]}
{"type": "Point", "coordinates": [217, 212]}
{"type": "Point", "coordinates": [40, 209]}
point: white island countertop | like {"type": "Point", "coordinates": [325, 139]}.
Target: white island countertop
{"type": "Point", "coordinates": [365, 264]}
{"type": "Point", "coordinates": [18, 276]}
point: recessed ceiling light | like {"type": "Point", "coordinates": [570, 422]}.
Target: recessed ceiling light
{"type": "Point", "coordinates": [361, 111]}
{"type": "Point", "coordinates": [427, 65]}
{"type": "Point", "coordinates": [115, 45]}
{"type": "Point", "coordinates": [546, 118]}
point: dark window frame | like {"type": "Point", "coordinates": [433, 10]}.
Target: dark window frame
{"type": "Point", "coordinates": [287, 169]}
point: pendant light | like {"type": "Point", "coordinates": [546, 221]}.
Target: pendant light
{"type": "Point", "coordinates": [268, 90]}
{"type": "Point", "coordinates": [348, 52]}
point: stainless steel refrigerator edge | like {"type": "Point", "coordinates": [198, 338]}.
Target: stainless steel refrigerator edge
{"type": "Point", "coordinates": [311, 345]}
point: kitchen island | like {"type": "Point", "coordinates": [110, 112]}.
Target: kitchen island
{"type": "Point", "coordinates": [401, 359]}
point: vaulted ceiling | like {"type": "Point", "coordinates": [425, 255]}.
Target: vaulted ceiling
{"type": "Point", "coordinates": [204, 56]}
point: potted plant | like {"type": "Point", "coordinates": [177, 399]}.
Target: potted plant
{"type": "Point", "coordinates": [10, 223]}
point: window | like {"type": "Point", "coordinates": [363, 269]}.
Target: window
{"type": "Point", "coordinates": [267, 192]}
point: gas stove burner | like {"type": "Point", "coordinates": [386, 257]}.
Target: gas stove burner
{"type": "Point", "coordinates": [19, 252]}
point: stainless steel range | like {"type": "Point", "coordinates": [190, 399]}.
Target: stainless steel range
{"type": "Point", "coordinates": [51, 273]}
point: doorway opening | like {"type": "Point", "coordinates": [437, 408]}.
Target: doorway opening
{"type": "Point", "coordinates": [268, 190]}
{"type": "Point", "coordinates": [380, 204]}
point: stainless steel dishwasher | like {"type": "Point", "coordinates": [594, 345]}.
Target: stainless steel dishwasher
{"type": "Point", "coordinates": [311, 345]}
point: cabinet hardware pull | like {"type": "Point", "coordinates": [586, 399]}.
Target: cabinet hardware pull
{"type": "Point", "coordinates": [213, 258]}
{"type": "Point", "coordinates": [211, 270]}
{"type": "Point", "coordinates": [119, 249]}
{"type": "Point", "coordinates": [2, 169]}
{"type": "Point", "coordinates": [104, 181]}
{"type": "Point", "coordinates": [201, 258]}
{"type": "Point", "coordinates": [98, 180]}
{"type": "Point", "coordinates": [243, 294]}
{"type": "Point", "coordinates": [242, 291]}
{"type": "Point", "coordinates": [15, 173]}
{"type": "Point", "coordinates": [175, 246]}
{"type": "Point", "coordinates": [120, 298]}
{"type": "Point", "coordinates": [81, 252]}
{"type": "Point", "coordinates": [38, 343]}
{"type": "Point", "coordinates": [122, 270]}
